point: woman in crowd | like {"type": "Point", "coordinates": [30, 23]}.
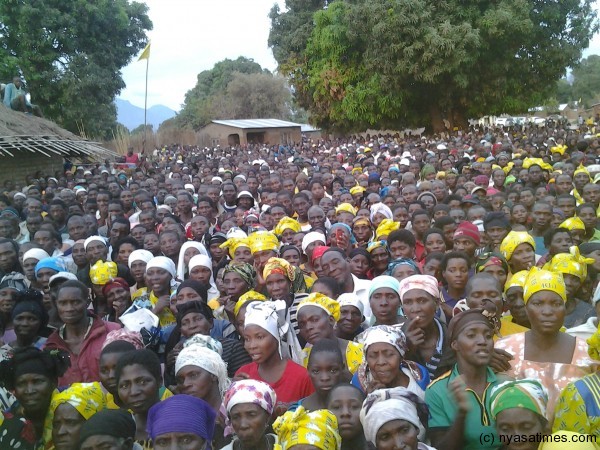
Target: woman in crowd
{"type": "Point", "coordinates": [360, 261]}
{"type": "Point", "coordinates": [30, 320]}
{"type": "Point", "coordinates": [249, 405]}
{"type": "Point", "coordinates": [264, 329]}
{"type": "Point", "coordinates": [385, 365]}
{"type": "Point", "coordinates": [351, 317]}
{"type": "Point", "coordinates": [127, 341]}
{"type": "Point", "coordinates": [519, 409]}
{"type": "Point", "coordinates": [137, 262]}
{"type": "Point", "coordinates": [513, 294]}
{"type": "Point", "coordinates": [384, 300]}
{"type": "Point", "coordinates": [402, 268]}
{"type": "Point", "coordinates": [186, 253]}
{"type": "Point", "coordinates": [554, 357]}
{"type": "Point", "coordinates": [71, 408]}
{"type": "Point", "coordinates": [139, 382]}
{"type": "Point", "coordinates": [459, 402]}
{"type": "Point", "coordinates": [518, 248]}
{"type": "Point", "coordinates": [395, 418]}
{"type": "Point", "coordinates": [123, 248]}
{"type": "Point", "coordinates": [118, 298]}
{"type": "Point", "coordinates": [317, 316]}
{"type": "Point", "coordinates": [495, 264]}
{"type": "Point", "coordinates": [238, 278]}
{"type": "Point", "coordinates": [32, 375]}
{"type": "Point", "coordinates": [380, 257]}
{"type": "Point", "coordinates": [426, 335]}
{"type": "Point", "coordinates": [291, 254]}
{"type": "Point", "coordinates": [201, 270]}
{"type": "Point", "coordinates": [300, 428]}
{"type": "Point", "coordinates": [345, 402]}
{"type": "Point", "coordinates": [455, 274]}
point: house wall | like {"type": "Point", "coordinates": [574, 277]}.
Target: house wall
{"type": "Point", "coordinates": [25, 163]}
{"type": "Point", "coordinates": [215, 134]}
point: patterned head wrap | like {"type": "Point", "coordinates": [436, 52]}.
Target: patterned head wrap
{"type": "Point", "coordinates": [16, 281]}
{"type": "Point", "coordinates": [582, 169]}
{"type": "Point", "coordinates": [381, 208]}
{"type": "Point", "coordinates": [384, 281]}
{"type": "Point", "coordinates": [270, 316]}
{"type": "Point", "coordinates": [354, 190]}
{"type": "Point", "coordinates": [204, 341]}
{"type": "Point", "coordinates": [316, 428]}
{"type": "Point", "coordinates": [517, 280]}
{"type": "Point", "coordinates": [287, 223]}
{"type": "Point", "coordinates": [318, 252]}
{"type": "Point", "coordinates": [86, 398]}
{"type": "Point", "coordinates": [114, 283]}
{"type": "Point", "coordinates": [513, 240]}
{"type": "Point", "coordinates": [384, 334]}
{"type": "Point", "coordinates": [263, 240]}
{"type": "Point", "coordinates": [544, 280]}
{"type": "Point", "coordinates": [282, 267]}
{"type": "Point", "coordinates": [200, 356]}
{"type": "Point", "coordinates": [182, 414]}
{"type": "Point", "coordinates": [425, 283]}
{"type": "Point", "coordinates": [461, 320]}
{"type": "Point", "coordinates": [491, 259]}
{"type": "Point", "coordinates": [527, 393]}
{"type": "Point", "coordinates": [385, 228]}
{"type": "Point", "coordinates": [232, 244]}
{"type": "Point", "coordinates": [330, 306]}
{"type": "Point", "coordinates": [249, 391]}
{"type": "Point", "coordinates": [594, 345]}
{"type": "Point", "coordinates": [384, 405]}
{"type": "Point", "coordinates": [102, 272]}
{"type": "Point", "coordinates": [402, 261]}
{"type": "Point", "coordinates": [122, 334]}
{"type": "Point", "coordinates": [571, 263]}
{"type": "Point", "coordinates": [244, 270]}
{"type": "Point", "coordinates": [573, 223]}
{"type": "Point", "coordinates": [250, 296]}
{"type": "Point", "coordinates": [375, 245]}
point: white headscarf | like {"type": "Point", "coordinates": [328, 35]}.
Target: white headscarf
{"type": "Point", "coordinates": [35, 253]}
{"type": "Point", "coordinates": [311, 237]}
{"type": "Point", "coordinates": [139, 255]}
{"type": "Point", "coordinates": [351, 299]}
{"type": "Point", "coordinates": [205, 261]}
{"type": "Point", "coordinates": [91, 239]}
{"type": "Point", "coordinates": [200, 356]}
{"type": "Point", "coordinates": [384, 405]}
{"type": "Point", "coordinates": [382, 209]}
{"type": "Point", "coordinates": [270, 316]}
{"type": "Point", "coordinates": [181, 269]}
{"type": "Point", "coordinates": [162, 262]}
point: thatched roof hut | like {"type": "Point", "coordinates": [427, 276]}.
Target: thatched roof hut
{"type": "Point", "coordinates": [29, 144]}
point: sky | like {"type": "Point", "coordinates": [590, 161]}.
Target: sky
{"type": "Point", "coordinates": [190, 36]}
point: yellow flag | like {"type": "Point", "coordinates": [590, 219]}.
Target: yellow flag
{"type": "Point", "coordinates": [146, 53]}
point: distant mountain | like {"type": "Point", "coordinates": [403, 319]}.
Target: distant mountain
{"type": "Point", "coordinates": [133, 116]}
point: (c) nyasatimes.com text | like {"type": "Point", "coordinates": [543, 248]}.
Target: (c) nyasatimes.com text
{"type": "Point", "coordinates": [507, 439]}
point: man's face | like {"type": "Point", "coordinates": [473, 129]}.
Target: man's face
{"type": "Point", "coordinates": [535, 174]}
{"type": "Point", "coordinates": [591, 193]}
{"type": "Point", "coordinates": [542, 215]}
{"type": "Point", "coordinates": [34, 222]}
{"type": "Point", "coordinates": [17, 82]}
{"type": "Point", "coordinates": [229, 193]}
{"type": "Point", "coordinates": [77, 228]}
{"type": "Point", "coordinates": [567, 206]}
{"type": "Point", "coordinates": [8, 228]}
{"type": "Point", "coordinates": [563, 184]}
{"type": "Point", "coordinates": [486, 295]}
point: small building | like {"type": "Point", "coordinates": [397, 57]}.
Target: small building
{"type": "Point", "coordinates": [229, 133]}
{"type": "Point", "coordinates": [30, 144]}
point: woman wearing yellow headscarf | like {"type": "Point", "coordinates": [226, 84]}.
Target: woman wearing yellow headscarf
{"type": "Point", "coordinates": [518, 248]}
{"type": "Point", "coordinates": [318, 429]}
{"type": "Point", "coordinates": [239, 308]}
{"type": "Point", "coordinates": [239, 249]}
{"type": "Point", "coordinates": [317, 315]}
{"type": "Point", "coordinates": [581, 177]}
{"type": "Point", "coordinates": [286, 228]}
{"type": "Point", "coordinates": [554, 357]}
{"type": "Point", "coordinates": [577, 228]}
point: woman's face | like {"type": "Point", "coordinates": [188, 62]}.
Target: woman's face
{"type": "Point", "coordinates": [325, 371]}
{"type": "Point", "coordinates": [402, 271]}
{"type": "Point", "coordinates": [259, 343]}
{"type": "Point", "coordinates": [201, 274]}
{"type": "Point", "coordinates": [560, 243]}
{"type": "Point", "coordinates": [187, 294]}
{"type": "Point", "coordinates": [292, 256]}
{"type": "Point", "coordinates": [546, 312]}
{"type": "Point", "coordinates": [498, 272]}
{"type": "Point", "coordinates": [243, 254]}
{"type": "Point", "coordinates": [124, 251]}
{"type": "Point", "coordinates": [158, 279]}
{"type": "Point", "coordinates": [65, 427]}
{"type": "Point", "coordinates": [522, 422]}
{"type": "Point", "coordinates": [26, 326]}
{"type": "Point", "coordinates": [278, 286]}
{"type": "Point", "coordinates": [379, 259]}
{"type": "Point", "coordinates": [314, 324]}
{"type": "Point", "coordinates": [249, 421]}
{"type": "Point", "coordinates": [195, 381]}
{"type": "Point", "coordinates": [138, 270]}
{"type": "Point", "coordinates": [419, 306]}
{"type": "Point", "coordinates": [523, 258]}
{"type": "Point", "coordinates": [456, 273]}
{"type": "Point", "coordinates": [345, 402]}
{"type": "Point", "coordinates": [359, 265]}
{"type": "Point", "coordinates": [138, 389]}
{"type": "Point", "coordinates": [362, 232]}
{"type": "Point", "coordinates": [234, 285]}
{"type": "Point", "coordinates": [475, 344]}
{"type": "Point", "coordinates": [287, 237]}
{"type": "Point", "coordinates": [431, 268]}
{"type": "Point", "coordinates": [435, 243]}
{"type": "Point", "coordinates": [34, 391]}
{"type": "Point", "coordinates": [108, 362]}
{"type": "Point", "coordinates": [384, 363]}
{"type": "Point", "coordinates": [519, 214]}
{"type": "Point", "coordinates": [189, 253]}
{"type": "Point", "coordinates": [195, 323]}
{"type": "Point", "coordinates": [516, 305]}
{"type": "Point", "coordinates": [397, 434]}
{"type": "Point", "coordinates": [572, 283]}
{"type": "Point", "coordinates": [384, 304]}
{"type": "Point", "coordinates": [350, 319]}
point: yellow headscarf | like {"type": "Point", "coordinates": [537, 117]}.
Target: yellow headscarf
{"type": "Point", "coordinates": [317, 428]}
{"type": "Point", "coordinates": [582, 169]}
{"type": "Point", "coordinates": [385, 228]}
{"type": "Point", "coordinates": [250, 296]}
{"type": "Point", "coordinates": [594, 345]}
{"type": "Point", "coordinates": [508, 167]}
{"type": "Point", "coordinates": [287, 223]}
{"type": "Point", "coordinates": [573, 223]}
{"type": "Point", "coordinates": [356, 170]}
{"type": "Point", "coordinates": [279, 265]}
{"type": "Point", "coordinates": [572, 263]}
{"type": "Point", "coordinates": [357, 190]}
{"type": "Point", "coordinates": [517, 280]}
{"type": "Point", "coordinates": [513, 240]}
{"type": "Point", "coordinates": [375, 245]}
{"type": "Point", "coordinates": [347, 207]}
{"type": "Point", "coordinates": [560, 149]}
{"type": "Point", "coordinates": [233, 244]}
{"type": "Point", "coordinates": [332, 307]}
{"type": "Point", "coordinates": [263, 240]}
{"type": "Point", "coordinates": [528, 162]}
{"type": "Point", "coordinates": [102, 272]}
{"type": "Point", "coordinates": [86, 398]}
{"type": "Point", "coordinates": [544, 280]}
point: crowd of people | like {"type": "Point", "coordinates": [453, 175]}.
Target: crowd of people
{"type": "Point", "coordinates": [371, 292]}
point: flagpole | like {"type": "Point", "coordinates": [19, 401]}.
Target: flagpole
{"type": "Point", "coordinates": [145, 107]}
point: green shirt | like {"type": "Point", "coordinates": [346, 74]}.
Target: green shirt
{"type": "Point", "coordinates": [443, 410]}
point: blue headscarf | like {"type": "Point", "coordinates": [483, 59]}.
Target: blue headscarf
{"type": "Point", "coordinates": [402, 261]}
{"type": "Point", "coordinates": [384, 281]}
{"type": "Point", "coordinates": [345, 228]}
{"type": "Point", "coordinates": [50, 263]}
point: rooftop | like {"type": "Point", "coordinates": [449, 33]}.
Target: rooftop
{"type": "Point", "coordinates": [257, 123]}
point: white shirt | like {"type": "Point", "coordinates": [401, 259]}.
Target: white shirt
{"type": "Point", "coordinates": [361, 290]}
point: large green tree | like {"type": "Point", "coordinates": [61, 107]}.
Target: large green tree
{"type": "Point", "coordinates": [394, 63]}
{"type": "Point", "coordinates": [71, 54]}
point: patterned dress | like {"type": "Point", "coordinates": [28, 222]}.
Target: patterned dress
{"type": "Point", "coordinates": [578, 407]}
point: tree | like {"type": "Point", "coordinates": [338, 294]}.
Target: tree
{"type": "Point", "coordinates": [140, 129]}
{"type": "Point", "coordinates": [238, 89]}
{"type": "Point", "coordinates": [395, 63]}
{"type": "Point", "coordinates": [71, 54]}
{"type": "Point", "coordinates": [586, 79]}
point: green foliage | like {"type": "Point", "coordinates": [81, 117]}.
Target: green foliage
{"type": "Point", "coordinates": [395, 63]}
{"type": "Point", "coordinates": [140, 129]}
{"type": "Point", "coordinates": [586, 80]}
{"type": "Point", "coordinates": [71, 54]}
{"type": "Point", "coordinates": [237, 89]}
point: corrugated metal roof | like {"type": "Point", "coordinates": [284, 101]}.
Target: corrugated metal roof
{"type": "Point", "coordinates": [307, 128]}
{"type": "Point", "coordinates": [52, 145]}
{"type": "Point", "coordinates": [257, 123]}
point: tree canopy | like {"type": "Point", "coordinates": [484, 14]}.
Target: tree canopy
{"type": "Point", "coordinates": [395, 63]}
{"type": "Point", "coordinates": [585, 82]}
{"type": "Point", "coordinates": [70, 54]}
{"type": "Point", "coordinates": [235, 89]}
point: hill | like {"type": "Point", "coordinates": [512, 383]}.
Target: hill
{"type": "Point", "coordinates": [133, 116]}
